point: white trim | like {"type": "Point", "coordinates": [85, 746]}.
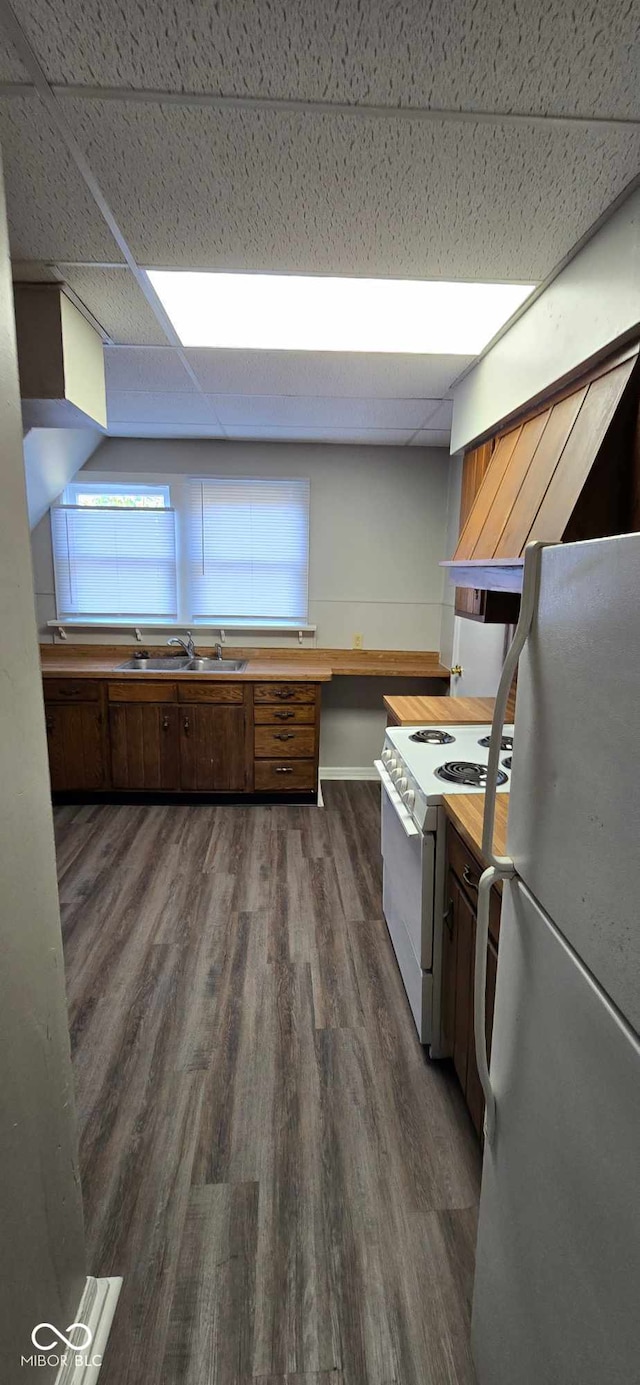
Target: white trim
{"type": "Point", "coordinates": [348, 772]}
{"type": "Point", "coordinates": [96, 1309]}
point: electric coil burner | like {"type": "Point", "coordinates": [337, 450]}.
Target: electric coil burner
{"type": "Point", "coordinates": [507, 762]}
{"type": "Point", "coordinates": [505, 744]}
{"type": "Point", "coordinates": [432, 736]}
{"type": "Point", "coordinates": [466, 772]}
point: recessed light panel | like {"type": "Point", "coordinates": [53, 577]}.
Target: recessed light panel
{"type": "Point", "coordinates": [294, 312]}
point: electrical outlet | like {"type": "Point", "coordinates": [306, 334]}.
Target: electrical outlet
{"type": "Point", "coordinates": [357, 642]}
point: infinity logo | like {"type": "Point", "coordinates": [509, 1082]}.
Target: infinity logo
{"type": "Point", "coordinates": [74, 1346]}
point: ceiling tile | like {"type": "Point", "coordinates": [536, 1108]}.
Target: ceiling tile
{"type": "Point", "coordinates": [266, 190]}
{"type": "Point", "coordinates": [11, 69]}
{"type": "Point", "coordinates": [387, 436]}
{"type": "Point", "coordinates": [292, 411]}
{"type": "Point", "coordinates": [540, 56]}
{"type": "Point", "coordinates": [329, 373]}
{"type": "Point", "coordinates": [115, 300]}
{"type": "Point", "coordinates": [51, 215]}
{"type": "Point", "coordinates": [432, 437]}
{"type": "Point", "coordinates": [165, 430]}
{"type": "Point", "coordinates": [440, 416]}
{"type": "Point", "coordinates": [153, 369]}
{"type": "Point", "coordinates": [129, 407]}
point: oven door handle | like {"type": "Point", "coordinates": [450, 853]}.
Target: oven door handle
{"type": "Point", "coordinates": [402, 813]}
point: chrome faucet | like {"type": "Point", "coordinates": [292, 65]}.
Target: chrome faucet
{"type": "Point", "coordinates": [187, 645]}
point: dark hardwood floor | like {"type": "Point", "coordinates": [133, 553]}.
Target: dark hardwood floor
{"type": "Point", "coordinates": [287, 1185]}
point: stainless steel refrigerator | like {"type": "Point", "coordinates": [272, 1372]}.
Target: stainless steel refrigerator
{"type": "Point", "coordinates": [557, 1286]}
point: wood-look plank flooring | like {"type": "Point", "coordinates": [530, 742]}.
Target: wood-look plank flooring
{"type": "Point", "coordinates": [287, 1185]}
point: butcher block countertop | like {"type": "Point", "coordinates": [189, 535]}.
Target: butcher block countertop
{"type": "Point", "coordinates": [466, 810]}
{"type": "Point", "coordinates": [279, 665]}
{"type": "Point", "coordinates": [437, 711]}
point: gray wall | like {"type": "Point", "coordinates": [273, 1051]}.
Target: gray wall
{"type": "Point", "coordinates": [42, 1269]}
{"type": "Point", "coordinates": [593, 302]}
{"type": "Point", "coordinates": [378, 532]}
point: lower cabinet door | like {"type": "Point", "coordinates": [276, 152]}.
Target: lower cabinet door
{"type": "Point", "coordinates": [145, 745]}
{"type": "Point", "coordinates": [76, 745]}
{"type": "Point", "coordinates": [213, 756]}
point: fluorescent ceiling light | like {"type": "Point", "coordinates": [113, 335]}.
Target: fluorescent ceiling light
{"type": "Point", "coordinates": [295, 312]}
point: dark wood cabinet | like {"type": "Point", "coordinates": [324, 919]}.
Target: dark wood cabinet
{"type": "Point", "coordinates": [144, 745]}
{"type": "Point", "coordinates": [192, 736]}
{"type": "Point", "coordinates": [75, 736]}
{"type": "Point", "coordinates": [212, 748]}
{"type": "Point", "coordinates": [458, 969]}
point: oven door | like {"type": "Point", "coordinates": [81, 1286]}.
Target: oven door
{"type": "Point", "coordinates": [408, 873]}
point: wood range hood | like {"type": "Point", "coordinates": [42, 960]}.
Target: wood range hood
{"type": "Point", "coordinates": [567, 470]}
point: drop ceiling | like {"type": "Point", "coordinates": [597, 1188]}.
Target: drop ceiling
{"type": "Point", "coordinates": [475, 141]}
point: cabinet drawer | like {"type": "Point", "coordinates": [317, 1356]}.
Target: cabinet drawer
{"type": "Point", "coordinates": [142, 692]}
{"type": "Point", "coordinates": [284, 775]}
{"type": "Point", "coordinates": [284, 692]}
{"type": "Point", "coordinates": [70, 690]}
{"type": "Point", "coordinates": [285, 716]}
{"type": "Point", "coordinates": [468, 871]}
{"type": "Point", "coordinates": [211, 692]}
{"type": "Point", "coordinates": [298, 741]}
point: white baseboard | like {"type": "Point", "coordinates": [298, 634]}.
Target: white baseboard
{"type": "Point", "coordinates": [348, 772]}
{"type": "Point", "coordinates": [95, 1310]}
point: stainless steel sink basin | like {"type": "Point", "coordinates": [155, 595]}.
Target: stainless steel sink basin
{"type": "Point", "coordinates": [177, 664]}
{"type": "Point", "coordinates": [170, 664]}
{"type": "Point", "coordinates": [215, 665]}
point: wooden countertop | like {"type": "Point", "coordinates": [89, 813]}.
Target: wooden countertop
{"type": "Point", "coordinates": [421, 711]}
{"type": "Point", "coordinates": [66, 665]}
{"type": "Point", "coordinates": [312, 666]}
{"type": "Point", "coordinates": [466, 810]}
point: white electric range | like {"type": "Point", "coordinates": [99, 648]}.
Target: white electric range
{"type": "Point", "coordinates": [418, 765]}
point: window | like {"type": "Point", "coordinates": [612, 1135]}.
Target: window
{"type": "Point", "coordinates": [248, 549]}
{"type": "Point", "coordinates": [114, 553]}
{"type": "Point", "coordinates": [227, 550]}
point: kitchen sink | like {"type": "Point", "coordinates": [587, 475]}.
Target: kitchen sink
{"type": "Point", "coordinates": [176, 664]}
{"type": "Point", "coordinates": [170, 664]}
{"type": "Point", "coordinates": [215, 665]}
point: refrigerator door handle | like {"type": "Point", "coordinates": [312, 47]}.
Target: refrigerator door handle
{"type": "Point", "coordinates": [530, 585]}
{"type": "Point", "coordinates": [499, 867]}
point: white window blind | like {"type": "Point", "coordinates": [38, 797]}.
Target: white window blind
{"type": "Point", "coordinates": [248, 549]}
{"type": "Point", "coordinates": [114, 562]}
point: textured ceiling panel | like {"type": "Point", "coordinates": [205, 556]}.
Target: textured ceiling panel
{"type": "Point", "coordinates": [431, 437]}
{"type": "Point", "coordinates": [335, 373]}
{"type": "Point", "coordinates": [386, 436]}
{"type": "Point", "coordinates": [115, 300]}
{"type": "Point", "coordinates": [440, 416]}
{"type": "Point", "coordinates": [263, 190]}
{"type": "Point", "coordinates": [291, 411]}
{"type": "Point", "coordinates": [127, 407]}
{"type": "Point", "coordinates": [165, 430]}
{"type": "Point", "coordinates": [51, 215]}
{"type": "Point", "coordinates": [11, 69]}
{"type": "Point", "coordinates": [154, 369]}
{"type": "Point", "coordinates": [539, 55]}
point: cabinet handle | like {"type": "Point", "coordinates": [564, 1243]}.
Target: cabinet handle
{"type": "Point", "coordinates": [284, 692]}
{"type": "Point", "coordinates": [284, 714]}
{"type": "Point", "coordinates": [68, 692]}
{"type": "Point", "coordinates": [186, 726]}
{"type": "Point", "coordinates": [284, 735]}
{"type": "Point", "coordinates": [284, 769]}
{"type": "Point", "coordinates": [469, 880]}
{"type": "Point", "coordinates": [49, 725]}
{"type": "Point", "coordinates": [165, 723]}
{"type": "Point", "coordinates": [448, 918]}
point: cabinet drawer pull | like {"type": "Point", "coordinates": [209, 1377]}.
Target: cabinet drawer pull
{"type": "Point", "coordinates": [165, 723]}
{"type": "Point", "coordinates": [284, 735]}
{"type": "Point", "coordinates": [186, 726]}
{"type": "Point", "coordinates": [284, 693]}
{"type": "Point", "coordinates": [284, 714]}
{"type": "Point", "coordinates": [469, 880]}
{"type": "Point", "coordinates": [284, 769]}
